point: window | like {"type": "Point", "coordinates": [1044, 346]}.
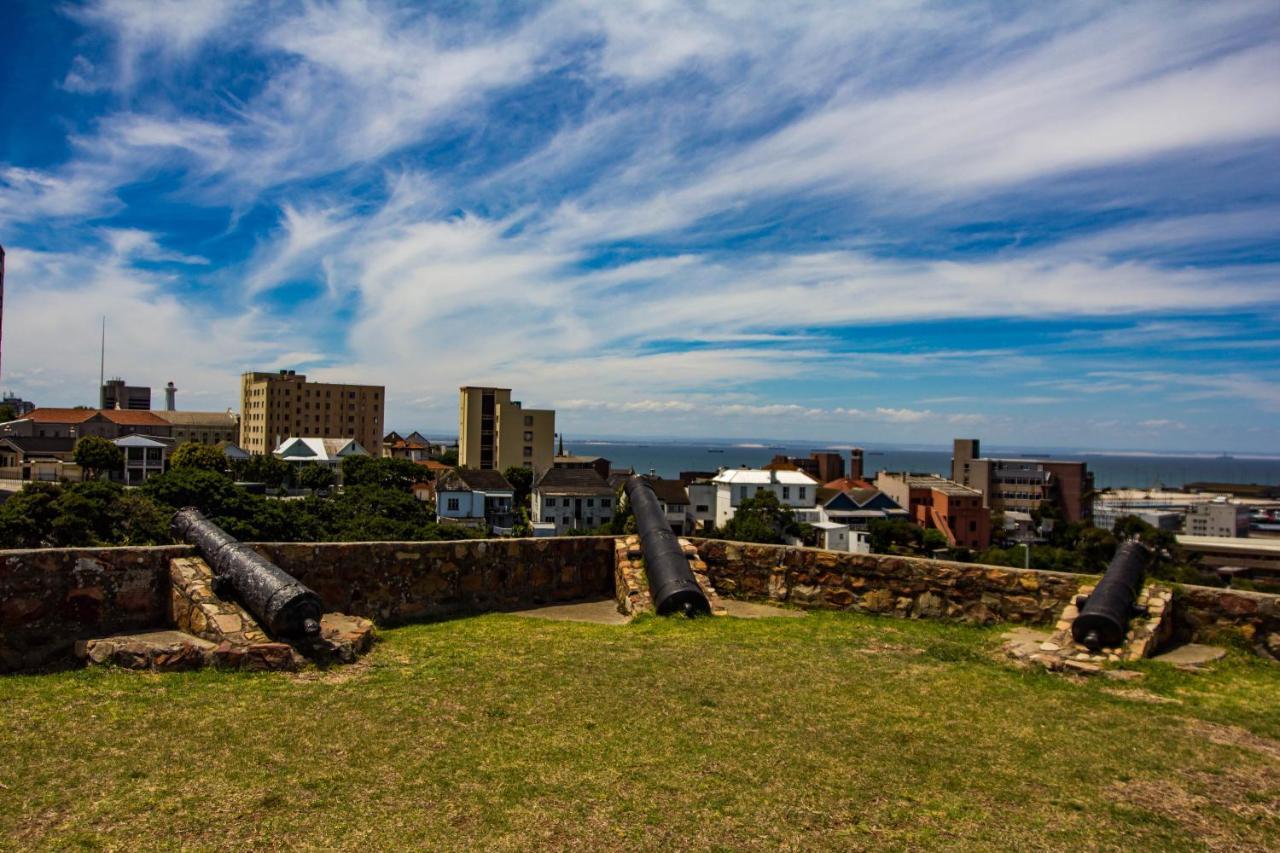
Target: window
{"type": "Point", "coordinates": [702, 508]}
{"type": "Point", "coordinates": [604, 502]}
{"type": "Point", "coordinates": [803, 491]}
{"type": "Point", "coordinates": [528, 451]}
{"type": "Point", "coordinates": [591, 502]}
{"type": "Point", "coordinates": [528, 435]}
{"type": "Point", "coordinates": [786, 493]}
{"type": "Point", "coordinates": [742, 493]}
{"type": "Point", "coordinates": [528, 420]}
{"type": "Point", "coordinates": [550, 502]}
{"type": "Point", "coordinates": [453, 504]}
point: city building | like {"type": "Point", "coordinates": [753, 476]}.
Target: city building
{"type": "Point", "coordinates": [26, 458]}
{"type": "Point", "coordinates": [822, 465]}
{"type": "Point", "coordinates": [1105, 517]}
{"type": "Point", "coordinates": [117, 395]}
{"type": "Point", "coordinates": [276, 406]}
{"type": "Point", "coordinates": [19, 406]}
{"type": "Point", "coordinates": [1217, 518]}
{"type": "Point", "coordinates": [1231, 557]}
{"type": "Point", "coordinates": [414, 447]}
{"type": "Point", "coordinates": [77, 423]}
{"type": "Point", "coordinates": [144, 456]}
{"type": "Point", "coordinates": [572, 499]}
{"type": "Point", "coordinates": [324, 451]}
{"type": "Point", "coordinates": [201, 427]}
{"type": "Point", "coordinates": [481, 499]}
{"type": "Point", "coordinates": [1023, 484]}
{"type": "Point", "coordinates": [832, 536]}
{"type": "Point", "coordinates": [702, 504]}
{"type": "Point", "coordinates": [673, 497]}
{"type": "Point", "coordinates": [936, 503]}
{"type": "Point", "coordinates": [496, 433]}
{"type": "Point", "coordinates": [794, 489]}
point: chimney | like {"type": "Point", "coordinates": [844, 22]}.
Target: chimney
{"type": "Point", "coordinates": [855, 463]}
{"type": "Point", "coordinates": [170, 396]}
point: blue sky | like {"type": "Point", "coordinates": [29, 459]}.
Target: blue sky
{"type": "Point", "coordinates": [1041, 224]}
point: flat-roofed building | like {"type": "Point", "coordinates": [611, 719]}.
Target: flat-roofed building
{"type": "Point", "coordinates": [1023, 484]}
{"type": "Point", "coordinates": [277, 406]}
{"type": "Point", "coordinates": [941, 504]}
{"type": "Point", "coordinates": [1218, 518]}
{"type": "Point", "coordinates": [202, 427]}
{"type": "Point", "coordinates": [117, 395]}
{"type": "Point", "coordinates": [496, 432]}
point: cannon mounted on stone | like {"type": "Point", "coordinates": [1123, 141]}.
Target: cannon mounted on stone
{"type": "Point", "coordinates": [672, 585]}
{"type": "Point", "coordinates": [280, 602]}
{"type": "Point", "coordinates": [1103, 620]}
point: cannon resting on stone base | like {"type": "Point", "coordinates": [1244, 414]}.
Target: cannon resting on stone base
{"type": "Point", "coordinates": [1104, 615]}
{"type": "Point", "coordinates": [282, 604]}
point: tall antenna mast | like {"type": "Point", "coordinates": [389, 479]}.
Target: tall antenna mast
{"type": "Point", "coordinates": [102, 361]}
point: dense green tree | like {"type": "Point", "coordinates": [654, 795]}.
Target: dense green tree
{"type": "Point", "coordinates": [314, 476]}
{"type": "Point", "coordinates": [98, 456]}
{"type": "Point", "coordinates": [521, 480]}
{"type": "Point", "coordinates": [264, 468]}
{"type": "Point", "coordinates": [933, 541]}
{"type": "Point", "coordinates": [386, 473]}
{"type": "Point", "coordinates": [449, 457]}
{"type": "Point", "coordinates": [8, 413]}
{"type": "Point", "coordinates": [26, 518]}
{"type": "Point", "coordinates": [762, 518]}
{"type": "Point", "coordinates": [192, 454]}
{"type": "Point", "coordinates": [895, 536]}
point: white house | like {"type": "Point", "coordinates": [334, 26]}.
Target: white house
{"type": "Point", "coordinates": [144, 456]}
{"type": "Point", "coordinates": [325, 451]}
{"type": "Point", "coordinates": [794, 489]}
{"type": "Point", "coordinates": [478, 498]}
{"type": "Point", "coordinates": [572, 498]}
{"type": "Point", "coordinates": [832, 536]}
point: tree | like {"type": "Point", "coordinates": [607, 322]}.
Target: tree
{"type": "Point", "coordinates": [314, 476]}
{"type": "Point", "coordinates": [8, 413]}
{"type": "Point", "coordinates": [521, 480]}
{"type": "Point", "coordinates": [98, 456]}
{"type": "Point", "coordinates": [449, 457]}
{"type": "Point", "coordinates": [264, 468]}
{"type": "Point", "coordinates": [26, 518]}
{"type": "Point", "coordinates": [192, 454]}
{"type": "Point", "coordinates": [384, 472]}
{"type": "Point", "coordinates": [895, 536]}
{"type": "Point", "coordinates": [934, 540]}
{"type": "Point", "coordinates": [762, 518]}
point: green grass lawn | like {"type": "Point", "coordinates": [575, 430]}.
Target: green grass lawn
{"type": "Point", "coordinates": [831, 731]}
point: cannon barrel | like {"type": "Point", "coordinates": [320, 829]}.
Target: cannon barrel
{"type": "Point", "coordinates": [671, 583]}
{"type": "Point", "coordinates": [1103, 620]}
{"type": "Point", "coordinates": [280, 602]}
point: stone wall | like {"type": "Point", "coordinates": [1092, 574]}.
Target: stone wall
{"type": "Point", "coordinates": [393, 582]}
{"type": "Point", "coordinates": [902, 586]}
{"type": "Point", "coordinates": [50, 598]}
{"type": "Point", "coordinates": [913, 586]}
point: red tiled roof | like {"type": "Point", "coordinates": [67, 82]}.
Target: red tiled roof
{"type": "Point", "coordinates": [127, 417]}
{"type": "Point", "coordinates": [61, 416]}
{"type": "Point", "coordinates": [123, 417]}
{"type": "Point", "coordinates": [845, 484]}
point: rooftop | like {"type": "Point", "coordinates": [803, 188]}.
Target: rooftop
{"type": "Point", "coordinates": [577, 481]}
{"type": "Point", "coordinates": [471, 480]}
{"type": "Point", "coordinates": [932, 481]}
{"type": "Point", "coordinates": [760, 476]}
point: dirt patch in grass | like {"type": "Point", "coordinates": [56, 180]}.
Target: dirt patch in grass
{"type": "Point", "coordinates": [1137, 694]}
{"type": "Point", "coordinates": [1236, 736]}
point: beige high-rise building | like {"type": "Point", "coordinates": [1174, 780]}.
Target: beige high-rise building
{"type": "Point", "coordinates": [276, 406]}
{"type": "Point", "coordinates": [496, 433]}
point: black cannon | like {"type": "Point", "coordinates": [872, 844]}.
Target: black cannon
{"type": "Point", "coordinates": [671, 583]}
{"type": "Point", "coordinates": [1104, 615]}
{"type": "Point", "coordinates": [282, 604]}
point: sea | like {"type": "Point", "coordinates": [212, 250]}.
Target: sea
{"type": "Point", "coordinates": [1111, 470]}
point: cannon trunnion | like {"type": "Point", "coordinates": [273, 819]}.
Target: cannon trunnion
{"type": "Point", "coordinates": [280, 602]}
{"type": "Point", "coordinates": [672, 585]}
{"type": "Point", "coordinates": [1104, 616]}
